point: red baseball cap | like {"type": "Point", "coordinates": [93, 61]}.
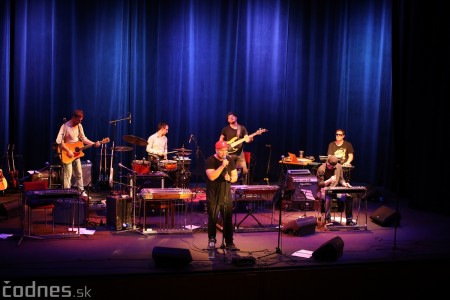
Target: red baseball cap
{"type": "Point", "coordinates": [221, 144]}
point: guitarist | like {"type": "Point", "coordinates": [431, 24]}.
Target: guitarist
{"type": "Point", "coordinates": [237, 131]}
{"type": "Point", "coordinates": [72, 132]}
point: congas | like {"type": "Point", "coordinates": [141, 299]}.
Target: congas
{"type": "Point", "coordinates": [141, 167]}
{"type": "Point", "coordinates": [167, 165]}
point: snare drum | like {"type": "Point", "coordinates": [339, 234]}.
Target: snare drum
{"type": "Point", "coordinates": [141, 167]}
{"type": "Point", "coordinates": [167, 165]}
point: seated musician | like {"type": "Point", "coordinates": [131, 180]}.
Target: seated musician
{"type": "Point", "coordinates": [157, 145]}
{"type": "Point", "coordinates": [330, 174]}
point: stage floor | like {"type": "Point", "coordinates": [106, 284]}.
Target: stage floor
{"type": "Point", "coordinates": [106, 260]}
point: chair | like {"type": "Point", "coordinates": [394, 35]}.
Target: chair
{"type": "Point", "coordinates": [36, 186]}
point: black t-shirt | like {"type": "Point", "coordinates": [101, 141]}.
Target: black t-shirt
{"type": "Point", "coordinates": [229, 133]}
{"type": "Point", "coordinates": [218, 188]}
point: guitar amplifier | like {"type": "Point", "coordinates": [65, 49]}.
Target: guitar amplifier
{"type": "Point", "coordinates": [151, 180]}
{"type": "Point", "coordinates": [70, 211]}
{"type": "Point", "coordinates": [118, 212]}
{"type": "Point", "coordinates": [86, 167]}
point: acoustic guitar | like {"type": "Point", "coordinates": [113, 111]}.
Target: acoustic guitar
{"type": "Point", "coordinates": [3, 182]}
{"type": "Point", "coordinates": [77, 149]}
{"type": "Point", "coordinates": [233, 142]}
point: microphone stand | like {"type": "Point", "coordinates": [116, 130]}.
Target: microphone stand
{"type": "Point", "coordinates": [111, 171]}
{"type": "Point", "coordinates": [282, 187]}
{"type": "Point", "coordinates": [133, 195]}
{"type": "Point", "coordinates": [266, 179]}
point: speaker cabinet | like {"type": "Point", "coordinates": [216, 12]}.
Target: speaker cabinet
{"type": "Point", "coordinates": [118, 212]}
{"type": "Point", "coordinates": [385, 216]}
{"type": "Point", "coordinates": [330, 251]}
{"type": "Point", "coordinates": [165, 256]}
{"type": "Point", "coordinates": [10, 209]}
{"type": "Point", "coordinates": [70, 211]}
{"type": "Point", "coordinates": [152, 180]}
{"type": "Point", "coordinates": [301, 226]}
{"type": "Point", "coordinates": [86, 167]}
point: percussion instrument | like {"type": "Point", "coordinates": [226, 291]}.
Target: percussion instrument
{"type": "Point", "coordinates": [166, 165]}
{"type": "Point", "coordinates": [141, 167]}
{"type": "Point", "coordinates": [121, 148]}
{"type": "Point", "coordinates": [135, 140]}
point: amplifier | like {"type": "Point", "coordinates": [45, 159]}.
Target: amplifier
{"type": "Point", "coordinates": [86, 167]}
{"type": "Point", "coordinates": [151, 180]}
{"type": "Point", "coordinates": [118, 212]}
{"type": "Point", "coordinates": [68, 212]}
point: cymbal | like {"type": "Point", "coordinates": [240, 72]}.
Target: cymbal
{"type": "Point", "coordinates": [135, 140]}
{"type": "Point", "coordinates": [121, 148]}
{"type": "Point", "coordinates": [183, 153]}
{"type": "Point", "coordinates": [182, 150]}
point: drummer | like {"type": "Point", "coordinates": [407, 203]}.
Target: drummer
{"type": "Point", "coordinates": [157, 145]}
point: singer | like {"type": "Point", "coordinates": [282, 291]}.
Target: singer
{"type": "Point", "coordinates": [221, 172]}
{"type": "Point", "coordinates": [157, 145]}
{"type": "Point", "coordinates": [71, 133]}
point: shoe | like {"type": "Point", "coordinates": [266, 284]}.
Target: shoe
{"type": "Point", "coordinates": [232, 247]}
{"type": "Point", "coordinates": [350, 223]}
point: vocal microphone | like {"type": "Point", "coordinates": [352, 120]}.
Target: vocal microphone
{"type": "Point", "coordinates": [64, 120]}
{"type": "Point", "coordinates": [191, 138]}
{"type": "Point", "coordinates": [129, 117]}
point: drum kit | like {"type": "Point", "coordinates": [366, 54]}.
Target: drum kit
{"type": "Point", "coordinates": [178, 169]}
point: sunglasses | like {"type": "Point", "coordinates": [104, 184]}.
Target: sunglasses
{"type": "Point", "coordinates": [339, 134]}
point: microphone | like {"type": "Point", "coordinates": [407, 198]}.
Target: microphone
{"type": "Point", "coordinates": [64, 120]}
{"type": "Point", "coordinates": [268, 146]}
{"type": "Point", "coordinates": [191, 138]}
{"type": "Point", "coordinates": [129, 117]}
{"type": "Point", "coordinates": [122, 166]}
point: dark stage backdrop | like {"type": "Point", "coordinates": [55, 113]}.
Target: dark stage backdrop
{"type": "Point", "coordinates": [300, 69]}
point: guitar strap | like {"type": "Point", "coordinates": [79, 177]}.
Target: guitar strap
{"type": "Point", "coordinates": [238, 132]}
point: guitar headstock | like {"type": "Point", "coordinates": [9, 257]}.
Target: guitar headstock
{"type": "Point", "coordinates": [261, 131]}
{"type": "Point", "coordinates": [105, 140]}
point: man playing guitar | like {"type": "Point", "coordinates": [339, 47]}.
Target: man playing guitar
{"type": "Point", "coordinates": [235, 130]}
{"type": "Point", "coordinates": [71, 132]}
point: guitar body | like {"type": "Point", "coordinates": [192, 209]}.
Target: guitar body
{"type": "Point", "coordinates": [3, 182]}
{"type": "Point", "coordinates": [77, 150]}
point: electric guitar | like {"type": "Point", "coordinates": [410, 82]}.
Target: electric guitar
{"type": "Point", "coordinates": [77, 149]}
{"type": "Point", "coordinates": [3, 182]}
{"type": "Point", "coordinates": [233, 142]}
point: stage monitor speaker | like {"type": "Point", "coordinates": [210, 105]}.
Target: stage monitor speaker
{"type": "Point", "coordinates": [86, 167]}
{"type": "Point", "coordinates": [10, 209]}
{"type": "Point", "coordinates": [301, 226]}
{"type": "Point", "coordinates": [385, 216]}
{"type": "Point", "coordinates": [166, 256]}
{"type": "Point", "coordinates": [70, 211]}
{"type": "Point", "coordinates": [118, 212]}
{"type": "Point", "coordinates": [330, 251]}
